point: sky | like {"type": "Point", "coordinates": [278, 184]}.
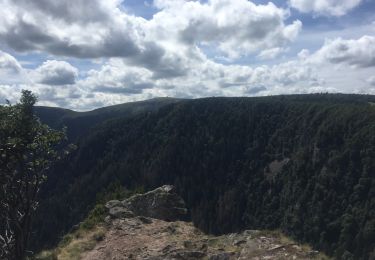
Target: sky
{"type": "Point", "coordinates": [85, 54]}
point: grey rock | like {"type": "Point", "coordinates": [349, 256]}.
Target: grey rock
{"type": "Point", "coordinates": [107, 220]}
{"type": "Point", "coordinates": [162, 203]}
{"type": "Point", "coordinates": [113, 203]}
{"type": "Point", "coordinates": [120, 212]}
{"type": "Point", "coordinates": [145, 220]}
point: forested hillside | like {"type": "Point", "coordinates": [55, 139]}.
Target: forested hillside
{"type": "Point", "coordinates": [302, 164]}
{"type": "Point", "coordinates": [79, 123]}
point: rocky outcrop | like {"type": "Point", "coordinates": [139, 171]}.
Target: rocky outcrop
{"type": "Point", "coordinates": [147, 226]}
{"type": "Point", "coordinates": [133, 238]}
{"type": "Point", "coordinates": [162, 203]}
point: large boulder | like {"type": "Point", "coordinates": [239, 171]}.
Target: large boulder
{"type": "Point", "coordinates": [120, 212]}
{"type": "Point", "coordinates": [162, 203]}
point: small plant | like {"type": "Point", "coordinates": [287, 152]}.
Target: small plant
{"type": "Point", "coordinates": [47, 255]}
{"type": "Point", "coordinates": [66, 240]}
{"type": "Point", "coordinates": [95, 217]}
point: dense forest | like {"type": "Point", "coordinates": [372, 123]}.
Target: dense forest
{"type": "Point", "coordinates": [302, 164]}
{"type": "Point", "coordinates": [79, 123]}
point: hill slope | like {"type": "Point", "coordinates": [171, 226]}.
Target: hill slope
{"type": "Point", "coordinates": [302, 164]}
{"type": "Point", "coordinates": [79, 123]}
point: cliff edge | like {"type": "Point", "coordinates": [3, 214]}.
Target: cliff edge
{"type": "Point", "coordinates": [150, 226]}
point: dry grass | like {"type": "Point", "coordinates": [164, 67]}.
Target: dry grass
{"type": "Point", "coordinates": [74, 245]}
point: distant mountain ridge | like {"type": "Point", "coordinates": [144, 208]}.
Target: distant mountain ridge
{"type": "Point", "coordinates": [78, 123]}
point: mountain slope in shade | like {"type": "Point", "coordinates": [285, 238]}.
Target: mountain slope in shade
{"type": "Point", "coordinates": [302, 164]}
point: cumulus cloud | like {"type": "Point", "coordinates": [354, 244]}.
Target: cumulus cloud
{"type": "Point", "coordinates": [78, 29]}
{"type": "Point", "coordinates": [354, 52]}
{"type": "Point", "coordinates": [116, 81]}
{"type": "Point", "coordinates": [83, 12]}
{"type": "Point", "coordinates": [10, 69]}
{"type": "Point", "coordinates": [204, 78]}
{"type": "Point", "coordinates": [53, 72]}
{"type": "Point", "coordinates": [8, 63]}
{"type": "Point", "coordinates": [101, 28]}
{"type": "Point", "coordinates": [117, 77]}
{"type": "Point", "coordinates": [325, 7]}
{"type": "Point", "coordinates": [9, 93]}
{"type": "Point", "coordinates": [236, 27]}
{"type": "Point", "coordinates": [270, 53]}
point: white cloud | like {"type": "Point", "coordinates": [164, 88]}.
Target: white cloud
{"type": "Point", "coordinates": [117, 82]}
{"type": "Point", "coordinates": [345, 65]}
{"type": "Point", "coordinates": [101, 28]}
{"type": "Point", "coordinates": [270, 53]}
{"type": "Point", "coordinates": [325, 7]}
{"type": "Point", "coordinates": [117, 77]}
{"type": "Point", "coordinates": [80, 28]}
{"type": "Point", "coordinates": [9, 92]}
{"type": "Point", "coordinates": [354, 52]}
{"type": "Point", "coordinates": [53, 72]}
{"type": "Point", "coordinates": [162, 56]}
{"type": "Point", "coordinates": [235, 27]}
{"type": "Point", "coordinates": [10, 69]}
{"type": "Point", "coordinates": [83, 12]}
{"type": "Point", "coordinates": [303, 54]}
{"type": "Point", "coordinates": [204, 78]}
{"type": "Point", "coordinates": [9, 64]}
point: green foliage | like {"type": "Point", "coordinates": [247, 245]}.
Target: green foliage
{"type": "Point", "coordinates": [115, 191]}
{"type": "Point", "coordinates": [46, 255]}
{"type": "Point", "coordinates": [95, 217]}
{"type": "Point", "coordinates": [27, 150]}
{"type": "Point", "coordinates": [218, 152]}
{"type": "Point", "coordinates": [66, 240]}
